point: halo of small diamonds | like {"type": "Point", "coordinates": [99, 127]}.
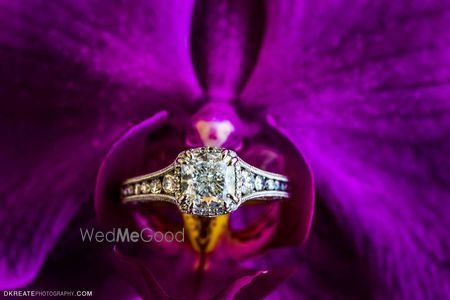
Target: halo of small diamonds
{"type": "Point", "coordinates": [208, 181]}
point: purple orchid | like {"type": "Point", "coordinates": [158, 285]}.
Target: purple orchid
{"type": "Point", "coordinates": [94, 92]}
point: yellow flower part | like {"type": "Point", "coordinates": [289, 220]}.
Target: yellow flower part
{"type": "Point", "coordinates": [204, 233]}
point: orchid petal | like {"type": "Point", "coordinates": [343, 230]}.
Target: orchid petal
{"type": "Point", "coordinates": [285, 222]}
{"type": "Point", "coordinates": [225, 42]}
{"type": "Point", "coordinates": [364, 96]}
{"type": "Point", "coordinates": [139, 45]}
{"type": "Point", "coordinates": [140, 276]}
{"type": "Point", "coordinates": [257, 285]}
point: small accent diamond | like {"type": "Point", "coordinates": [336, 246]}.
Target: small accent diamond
{"type": "Point", "coordinates": [145, 188]}
{"type": "Point", "coordinates": [185, 204]}
{"type": "Point", "coordinates": [269, 185]}
{"type": "Point", "coordinates": [137, 189]}
{"type": "Point", "coordinates": [155, 186]}
{"type": "Point", "coordinates": [276, 185]}
{"type": "Point", "coordinates": [128, 191]}
{"type": "Point", "coordinates": [259, 183]}
{"type": "Point", "coordinates": [169, 184]}
{"type": "Point", "coordinates": [246, 182]}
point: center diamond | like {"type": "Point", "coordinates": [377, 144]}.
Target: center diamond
{"type": "Point", "coordinates": [208, 181]}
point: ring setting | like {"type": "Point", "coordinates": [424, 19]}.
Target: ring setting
{"type": "Point", "coordinates": [206, 181]}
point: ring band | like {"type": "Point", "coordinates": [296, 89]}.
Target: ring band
{"type": "Point", "coordinates": [206, 181]}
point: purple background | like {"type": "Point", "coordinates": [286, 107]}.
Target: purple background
{"type": "Point", "coordinates": [357, 89]}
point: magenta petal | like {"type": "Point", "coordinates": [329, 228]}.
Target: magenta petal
{"type": "Point", "coordinates": [42, 188]}
{"type": "Point", "coordinates": [120, 165]}
{"type": "Point", "coordinates": [226, 38]}
{"type": "Point", "coordinates": [323, 54]}
{"type": "Point", "coordinates": [55, 141]}
{"type": "Point", "coordinates": [363, 91]}
{"type": "Point", "coordinates": [256, 227]}
{"type": "Point", "coordinates": [140, 45]}
{"type": "Point", "coordinates": [257, 285]}
{"type": "Point", "coordinates": [140, 277]}
{"type": "Point", "coordinates": [296, 214]}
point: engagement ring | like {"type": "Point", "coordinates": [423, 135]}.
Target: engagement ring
{"type": "Point", "coordinates": [207, 182]}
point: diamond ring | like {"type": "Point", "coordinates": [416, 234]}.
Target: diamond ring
{"type": "Point", "coordinates": [206, 181]}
